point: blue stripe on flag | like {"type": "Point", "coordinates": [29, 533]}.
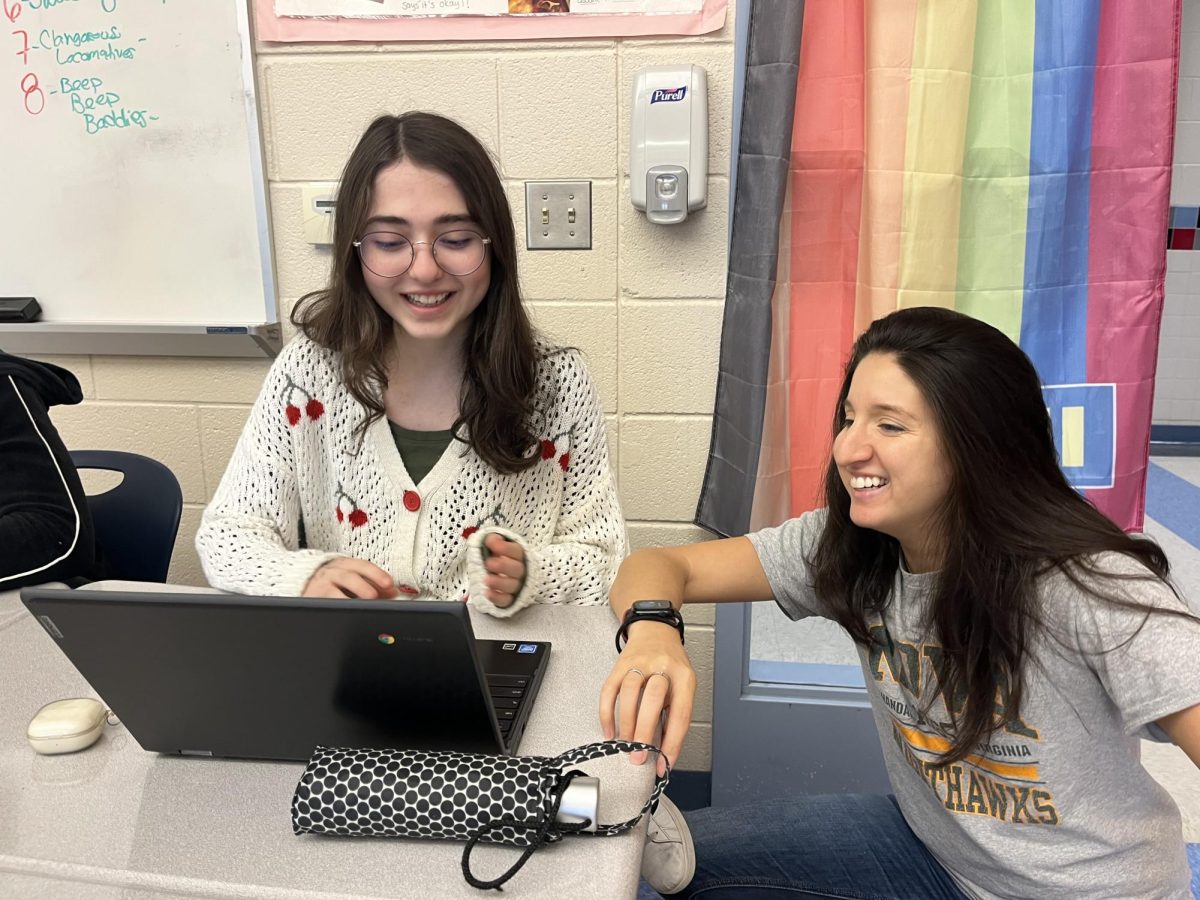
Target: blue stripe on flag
{"type": "Point", "coordinates": [1054, 310]}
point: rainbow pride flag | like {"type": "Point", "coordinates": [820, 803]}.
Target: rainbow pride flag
{"type": "Point", "coordinates": [1010, 159]}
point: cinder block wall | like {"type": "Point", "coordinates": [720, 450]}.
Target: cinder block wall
{"type": "Point", "coordinates": [644, 304]}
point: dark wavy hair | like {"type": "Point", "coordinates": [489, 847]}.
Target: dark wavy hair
{"type": "Point", "coordinates": [501, 354]}
{"type": "Point", "coordinates": [1009, 518]}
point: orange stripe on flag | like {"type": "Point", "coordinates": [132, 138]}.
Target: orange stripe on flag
{"type": "Point", "coordinates": [889, 52]}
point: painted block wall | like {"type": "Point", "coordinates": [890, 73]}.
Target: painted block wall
{"type": "Point", "coordinates": [1177, 388]}
{"type": "Point", "coordinates": [644, 304]}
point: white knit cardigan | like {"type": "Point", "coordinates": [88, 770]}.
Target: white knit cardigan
{"type": "Point", "coordinates": [298, 461]}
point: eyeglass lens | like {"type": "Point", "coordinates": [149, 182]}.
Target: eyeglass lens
{"type": "Point", "coordinates": [388, 254]}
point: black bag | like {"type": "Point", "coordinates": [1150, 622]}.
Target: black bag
{"type": "Point", "coordinates": [446, 794]}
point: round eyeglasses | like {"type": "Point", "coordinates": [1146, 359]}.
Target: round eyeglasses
{"type": "Point", "coordinates": [389, 255]}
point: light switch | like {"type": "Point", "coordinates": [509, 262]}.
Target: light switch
{"type": "Point", "coordinates": [565, 220]}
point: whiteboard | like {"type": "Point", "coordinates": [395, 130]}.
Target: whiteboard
{"type": "Point", "coordinates": [132, 163]}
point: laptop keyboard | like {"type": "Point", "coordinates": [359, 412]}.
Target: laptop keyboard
{"type": "Point", "coordinates": [507, 693]}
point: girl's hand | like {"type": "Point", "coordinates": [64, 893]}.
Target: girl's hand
{"type": "Point", "coordinates": [354, 578]}
{"type": "Point", "coordinates": [505, 565]}
{"type": "Point", "coordinates": [652, 675]}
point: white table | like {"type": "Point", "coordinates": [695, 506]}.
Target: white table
{"type": "Point", "coordinates": [115, 821]}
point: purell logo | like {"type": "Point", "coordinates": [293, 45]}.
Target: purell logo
{"type": "Point", "coordinates": [669, 95]}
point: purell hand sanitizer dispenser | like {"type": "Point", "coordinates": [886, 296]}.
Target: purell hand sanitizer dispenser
{"type": "Point", "coordinates": [668, 142]}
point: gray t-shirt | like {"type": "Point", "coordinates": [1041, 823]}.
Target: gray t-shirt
{"type": "Point", "coordinates": [1057, 805]}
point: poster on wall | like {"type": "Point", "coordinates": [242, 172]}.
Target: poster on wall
{"type": "Point", "coordinates": [479, 20]}
{"type": "Point", "coordinates": [410, 8]}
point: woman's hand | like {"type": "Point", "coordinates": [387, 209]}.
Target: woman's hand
{"type": "Point", "coordinates": [652, 674]}
{"type": "Point", "coordinates": [505, 565]}
{"type": "Point", "coordinates": [354, 578]}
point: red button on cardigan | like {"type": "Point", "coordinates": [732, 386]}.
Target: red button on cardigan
{"type": "Point", "coordinates": [412, 501]}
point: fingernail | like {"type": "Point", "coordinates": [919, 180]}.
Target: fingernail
{"type": "Point", "coordinates": [637, 757]}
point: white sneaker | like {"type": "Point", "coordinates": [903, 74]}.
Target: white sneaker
{"type": "Point", "coordinates": [669, 856]}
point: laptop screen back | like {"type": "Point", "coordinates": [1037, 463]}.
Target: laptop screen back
{"type": "Point", "coordinates": [270, 678]}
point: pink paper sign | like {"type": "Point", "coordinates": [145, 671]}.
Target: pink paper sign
{"type": "Point", "coordinates": [273, 27]}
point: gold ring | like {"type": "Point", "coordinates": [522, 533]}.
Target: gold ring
{"type": "Point", "coordinates": [633, 669]}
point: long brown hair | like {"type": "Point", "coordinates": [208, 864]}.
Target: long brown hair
{"type": "Point", "coordinates": [1010, 517]}
{"type": "Point", "coordinates": [500, 352]}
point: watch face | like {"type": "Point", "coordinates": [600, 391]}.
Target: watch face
{"type": "Point", "coordinates": [653, 606]}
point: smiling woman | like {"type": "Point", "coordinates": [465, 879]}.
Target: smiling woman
{"type": "Point", "coordinates": [891, 461]}
{"type": "Point", "coordinates": [397, 447]}
{"type": "Point", "coordinates": [1015, 644]}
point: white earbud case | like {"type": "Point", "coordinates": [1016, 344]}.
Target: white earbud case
{"type": "Point", "coordinates": [65, 726]}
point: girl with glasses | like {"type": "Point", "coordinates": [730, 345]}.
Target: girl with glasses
{"type": "Point", "coordinates": [418, 439]}
{"type": "Point", "coordinates": [1016, 646]}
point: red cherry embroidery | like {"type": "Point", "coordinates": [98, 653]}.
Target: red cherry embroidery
{"type": "Point", "coordinates": [356, 517]}
{"type": "Point", "coordinates": [550, 448]}
{"type": "Point", "coordinates": [495, 517]}
{"type": "Point", "coordinates": [293, 394]}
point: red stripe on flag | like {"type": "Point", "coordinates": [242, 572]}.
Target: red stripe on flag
{"type": "Point", "coordinates": [826, 185]}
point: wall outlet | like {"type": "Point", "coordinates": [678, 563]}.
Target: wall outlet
{"type": "Point", "coordinates": [318, 202]}
{"type": "Point", "coordinates": [558, 215]}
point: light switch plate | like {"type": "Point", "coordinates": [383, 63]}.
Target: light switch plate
{"type": "Point", "coordinates": [317, 204]}
{"type": "Point", "coordinates": [558, 215]}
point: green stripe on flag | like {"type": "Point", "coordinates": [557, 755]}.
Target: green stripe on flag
{"type": "Point", "coordinates": [995, 192]}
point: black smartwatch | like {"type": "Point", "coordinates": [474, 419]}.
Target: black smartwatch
{"type": "Point", "coordinates": [649, 611]}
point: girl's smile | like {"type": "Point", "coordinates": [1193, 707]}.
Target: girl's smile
{"type": "Point", "coordinates": [427, 301]}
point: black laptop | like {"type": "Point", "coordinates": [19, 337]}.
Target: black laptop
{"type": "Point", "coordinates": [272, 677]}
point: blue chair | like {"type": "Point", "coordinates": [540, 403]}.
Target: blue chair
{"type": "Point", "coordinates": [136, 521]}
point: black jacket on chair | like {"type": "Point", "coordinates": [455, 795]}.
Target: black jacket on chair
{"type": "Point", "coordinates": [46, 532]}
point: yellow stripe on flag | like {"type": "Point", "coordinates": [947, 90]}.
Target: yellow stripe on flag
{"type": "Point", "coordinates": [943, 52]}
{"type": "Point", "coordinates": [1072, 436]}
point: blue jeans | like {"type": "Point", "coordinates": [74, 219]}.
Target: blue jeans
{"type": "Point", "coordinates": [841, 845]}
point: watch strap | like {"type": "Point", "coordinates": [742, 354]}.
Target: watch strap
{"type": "Point", "coordinates": [670, 617]}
